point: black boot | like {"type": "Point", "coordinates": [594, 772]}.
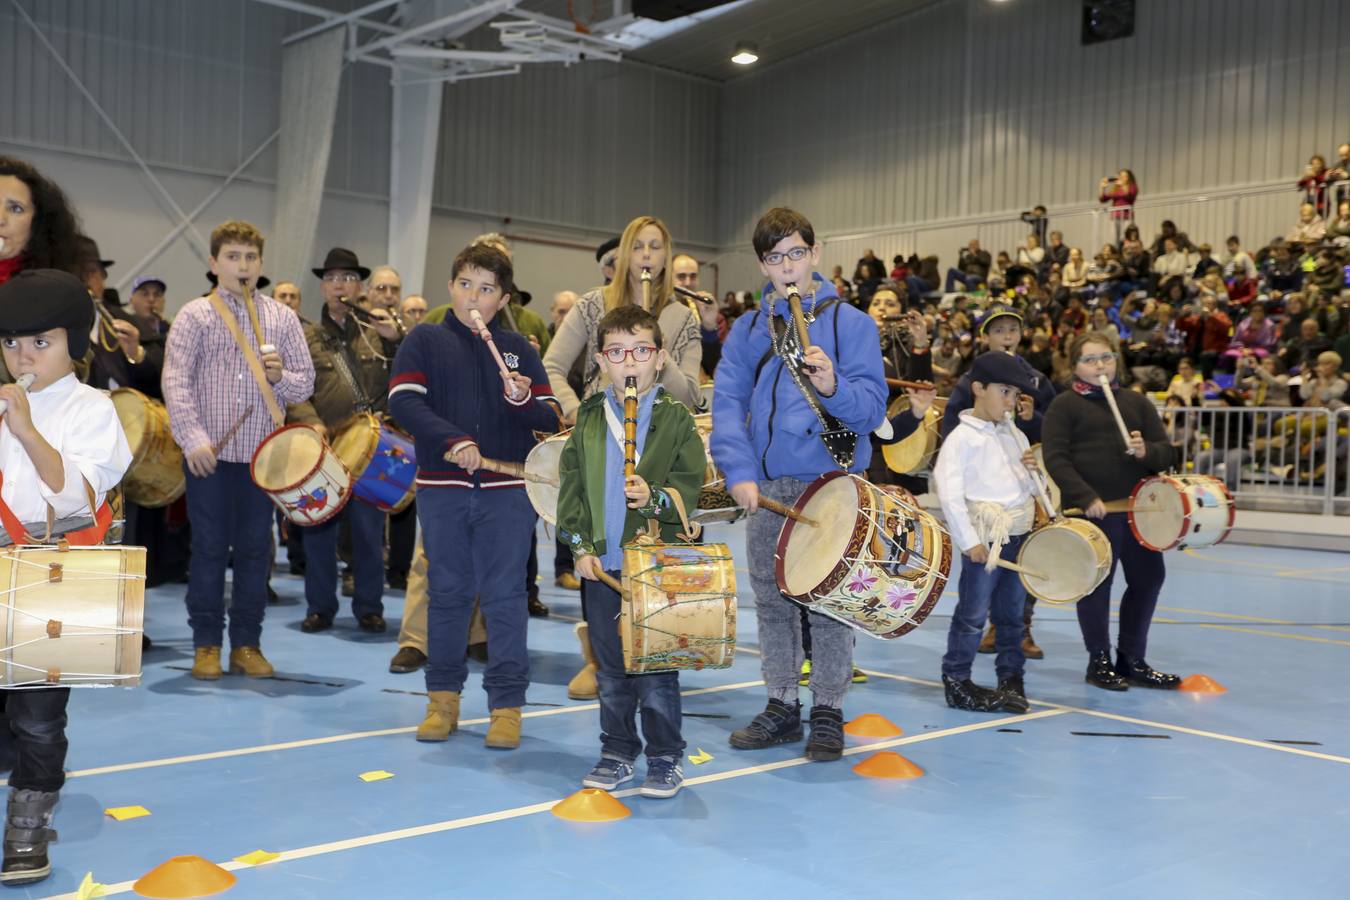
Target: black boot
{"type": "Point", "coordinates": [970, 696]}
{"type": "Point", "coordinates": [826, 743]}
{"type": "Point", "coordinates": [778, 724]}
{"type": "Point", "coordinates": [1100, 674]}
{"type": "Point", "coordinates": [1012, 685]}
{"type": "Point", "coordinates": [1140, 673]}
{"type": "Point", "coordinates": [27, 832]}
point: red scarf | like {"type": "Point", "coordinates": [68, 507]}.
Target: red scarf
{"type": "Point", "coordinates": [1089, 389]}
{"type": "Point", "coordinates": [10, 267]}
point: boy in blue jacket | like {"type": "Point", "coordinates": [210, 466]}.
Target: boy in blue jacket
{"type": "Point", "coordinates": [767, 440]}
{"type": "Point", "coordinates": [448, 391]}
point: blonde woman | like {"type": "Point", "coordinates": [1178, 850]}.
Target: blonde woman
{"type": "Point", "coordinates": [645, 244]}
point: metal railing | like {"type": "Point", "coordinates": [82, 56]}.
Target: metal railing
{"type": "Point", "coordinates": [1275, 458]}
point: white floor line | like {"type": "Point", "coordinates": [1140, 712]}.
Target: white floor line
{"type": "Point", "coordinates": [358, 735]}
{"type": "Point", "coordinates": [1148, 723]}
{"type": "Point", "coordinates": [399, 834]}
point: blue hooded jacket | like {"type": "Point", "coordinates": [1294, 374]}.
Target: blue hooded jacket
{"type": "Point", "coordinates": [763, 427]}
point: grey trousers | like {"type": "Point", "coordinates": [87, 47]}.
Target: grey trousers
{"type": "Point", "coordinates": [780, 626]}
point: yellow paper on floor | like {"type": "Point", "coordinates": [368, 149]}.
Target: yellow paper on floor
{"type": "Point", "coordinates": [122, 813]}
{"type": "Point", "coordinates": [700, 757]}
{"type": "Point", "coordinates": [90, 889]}
{"type": "Point", "coordinates": [377, 775]}
{"type": "Point", "coordinates": [257, 857]}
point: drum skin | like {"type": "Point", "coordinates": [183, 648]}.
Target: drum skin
{"type": "Point", "coordinates": [915, 452]}
{"type": "Point", "coordinates": [1181, 512]}
{"type": "Point", "coordinates": [382, 462]}
{"type": "Point", "coordinates": [155, 477]}
{"type": "Point", "coordinates": [301, 474]}
{"type": "Point", "coordinates": [545, 459]}
{"type": "Point", "coordinates": [1074, 555]}
{"type": "Point", "coordinates": [96, 610]}
{"type": "Point", "coordinates": [873, 561]}
{"type": "Point", "coordinates": [679, 607]}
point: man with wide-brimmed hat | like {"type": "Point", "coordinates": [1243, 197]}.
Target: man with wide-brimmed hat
{"type": "Point", "coordinates": [351, 375]}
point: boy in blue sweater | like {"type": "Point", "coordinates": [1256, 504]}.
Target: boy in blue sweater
{"type": "Point", "coordinates": [448, 391]}
{"type": "Point", "coordinates": [767, 440]}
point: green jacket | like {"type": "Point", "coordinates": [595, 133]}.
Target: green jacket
{"type": "Point", "coordinates": [344, 356]}
{"type": "Point", "coordinates": [674, 458]}
{"type": "Point", "coordinates": [528, 323]}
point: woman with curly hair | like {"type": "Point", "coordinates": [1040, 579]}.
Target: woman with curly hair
{"type": "Point", "coordinates": [38, 227]}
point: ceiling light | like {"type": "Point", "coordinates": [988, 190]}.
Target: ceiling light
{"type": "Point", "coordinates": [746, 54]}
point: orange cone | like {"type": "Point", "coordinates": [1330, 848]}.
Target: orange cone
{"type": "Point", "coordinates": [591, 805]}
{"type": "Point", "coordinates": [184, 876]}
{"type": "Point", "coordinates": [871, 725]}
{"type": "Point", "coordinates": [887, 765]}
{"type": "Point", "coordinates": [1201, 684]}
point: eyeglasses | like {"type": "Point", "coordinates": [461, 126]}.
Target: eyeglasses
{"type": "Point", "coordinates": [1099, 359]}
{"type": "Point", "coordinates": [796, 254]}
{"type": "Point", "coordinates": [341, 277]}
{"type": "Point", "coordinates": [640, 353]}
{"type": "Point", "coordinates": [384, 288]}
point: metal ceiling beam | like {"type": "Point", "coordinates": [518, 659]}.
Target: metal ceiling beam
{"type": "Point", "coordinates": [444, 24]}
{"type": "Point", "coordinates": [326, 14]}
{"type": "Point", "coordinates": [354, 16]}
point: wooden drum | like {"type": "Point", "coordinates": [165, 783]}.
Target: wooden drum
{"type": "Point", "coordinates": [1181, 511]}
{"type": "Point", "coordinates": [155, 477]}
{"type": "Point", "coordinates": [679, 607]}
{"type": "Point", "coordinates": [715, 503]}
{"type": "Point", "coordinates": [1070, 557]}
{"type": "Point", "coordinates": [872, 561]}
{"type": "Point", "coordinates": [72, 617]}
{"type": "Point", "coordinates": [543, 466]}
{"type": "Point", "coordinates": [301, 474]}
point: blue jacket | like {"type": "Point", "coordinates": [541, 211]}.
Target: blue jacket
{"type": "Point", "coordinates": [763, 427]}
{"type": "Point", "coordinates": [963, 398]}
{"type": "Point", "coordinates": [447, 391]}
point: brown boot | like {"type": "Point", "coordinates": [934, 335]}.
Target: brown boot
{"type": "Point", "coordinates": [987, 642]}
{"type": "Point", "coordinates": [583, 686]}
{"type": "Point", "coordinates": [504, 732]}
{"type": "Point", "coordinates": [250, 661]}
{"type": "Point", "coordinates": [442, 716]}
{"type": "Point", "coordinates": [206, 663]}
{"type": "Point", "coordinates": [1029, 648]}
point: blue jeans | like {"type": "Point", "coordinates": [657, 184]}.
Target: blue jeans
{"type": "Point", "coordinates": [997, 595]}
{"type": "Point", "coordinates": [1144, 571]}
{"type": "Point", "coordinates": [37, 719]}
{"type": "Point", "coordinates": [231, 518]}
{"type": "Point", "coordinates": [967, 282]}
{"type": "Point", "coordinates": [477, 542]}
{"type": "Point", "coordinates": [321, 549]}
{"type": "Point", "coordinates": [622, 695]}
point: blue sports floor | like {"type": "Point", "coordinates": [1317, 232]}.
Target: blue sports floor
{"type": "Point", "coordinates": [1141, 794]}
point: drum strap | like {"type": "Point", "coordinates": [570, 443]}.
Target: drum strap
{"type": "Point", "coordinates": [254, 364]}
{"type": "Point", "coordinates": [691, 533]}
{"type": "Point", "coordinates": [18, 532]}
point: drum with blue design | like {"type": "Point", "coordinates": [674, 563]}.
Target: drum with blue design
{"type": "Point", "coordinates": [381, 460]}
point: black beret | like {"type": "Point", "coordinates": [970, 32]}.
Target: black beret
{"type": "Point", "coordinates": [995, 367]}
{"type": "Point", "coordinates": [604, 248]}
{"type": "Point", "coordinates": [38, 300]}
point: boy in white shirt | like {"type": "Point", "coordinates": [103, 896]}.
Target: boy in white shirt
{"type": "Point", "coordinates": [986, 495]}
{"type": "Point", "coordinates": [60, 444]}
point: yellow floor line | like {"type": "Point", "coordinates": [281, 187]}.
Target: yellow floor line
{"type": "Point", "coordinates": [1276, 634]}
{"type": "Point", "coordinates": [385, 837]}
{"type": "Point", "coordinates": [1247, 618]}
{"type": "Point", "coordinates": [359, 735]}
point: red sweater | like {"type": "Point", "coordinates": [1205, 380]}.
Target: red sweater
{"type": "Point", "coordinates": [10, 267]}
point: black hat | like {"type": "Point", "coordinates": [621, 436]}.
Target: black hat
{"type": "Point", "coordinates": [996, 367]}
{"type": "Point", "coordinates": [263, 280]}
{"type": "Point", "coordinates": [38, 300]}
{"type": "Point", "coordinates": [999, 312]}
{"type": "Point", "coordinates": [604, 248]}
{"type": "Point", "coordinates": [88, 252]}
{"type": "Point", "coordinates": [342, 258]}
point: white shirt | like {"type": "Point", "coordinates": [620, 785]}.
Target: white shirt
{"type": "Point", "coordinates": [980, 461]}
{"type": "Point", "coordinates": [81, 423]}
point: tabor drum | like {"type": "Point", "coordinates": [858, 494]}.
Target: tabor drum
{"type": "Point", "coordinates": [301, 474]}
{"type": "Point", "coordinates": [916, 452]}
{"type": "Point", "coordinates": [155, 477]}
{"type": "Point", "coordinates": [715, 503]}
{"type": "Point", "coordinates": [71, 617]}
{"type": "Point", "coordinates": [872, 560]}
{"type": "Point", "coordinates": [1070, 558]}
{"type": "Point", "coordinates": [679, 607]}
{"type": "Point", "coordinates": [381, 460]}
{"type": "Point", "coordinates": [543, 467]}
{"type": "Point", "coordinates": [1181, 511]}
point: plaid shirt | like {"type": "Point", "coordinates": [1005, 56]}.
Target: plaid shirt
{"type": "Point", "coordinates": [208, 384]}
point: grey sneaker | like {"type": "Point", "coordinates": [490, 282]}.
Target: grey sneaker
{"type": "Point", "coordinates": [664, 778]}
{"type": "Point", "coordinates": [608, 774]}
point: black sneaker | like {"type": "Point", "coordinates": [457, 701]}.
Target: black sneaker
{"type": "Point", "coordinates": [1100, 674]}
{"type": "Point", "coordinates": [1013, 685]}
{"type": "Point", "coordinates": [778, 724]}
{"type": "Point", "coordinates": [1140, 673]}
{"type": "Point", "coordinates": [827, 734]}
{"type": "Point", "coordinates": [969, 696]}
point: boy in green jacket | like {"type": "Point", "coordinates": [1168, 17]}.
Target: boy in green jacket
{"type": "Point", "coordinates": [599, 510]}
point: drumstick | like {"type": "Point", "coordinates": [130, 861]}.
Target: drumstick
{"type": "Point", "coordinates": [1021, 570]}
{"type": "Point", "coordinates": [24, 381]}
{"type": "Point", "coordinates": [231, 432]}
{"type": "Point", "coordinates": [794, 299]}
{"type": "Point", "coordinates": [647, 289]}
{"type": "Point", "coordinates": [785, 511]}
{"type": "Point", "coordinates": [515, 470]}
{"type": "Point", "coordinates": [909, 385]}
{"type": "Point", "coordinates": [492, 346]}
{"type": "Point", "coordinates": [1115, 410]}
{"type": "Point", "coordinates": [630, 415]}
{"type": "Point", "coordinates": [609, 581]}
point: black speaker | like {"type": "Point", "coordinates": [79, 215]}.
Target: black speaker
{"type": "Point", "coordinates": [1107, 20]}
